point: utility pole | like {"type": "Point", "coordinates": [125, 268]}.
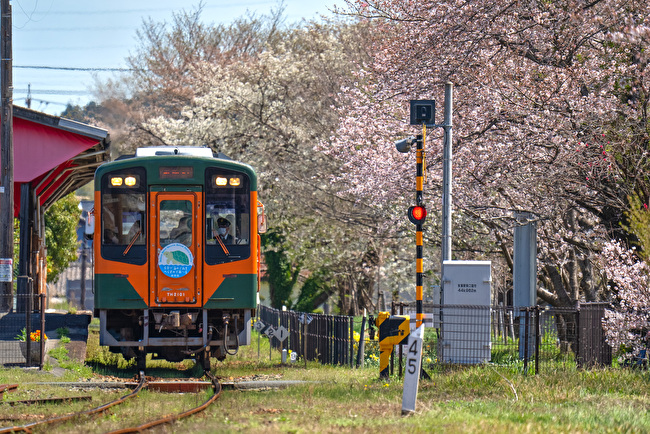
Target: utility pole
{"type": "Point", "coordinates": [6, 160]}
{"type": "Point", "coordinates": [447, 176]}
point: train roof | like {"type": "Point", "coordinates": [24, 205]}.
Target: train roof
{"type": "Point", "coordinates": [155, 156]}
{"type": "Point", "coordinates": [174, 150]}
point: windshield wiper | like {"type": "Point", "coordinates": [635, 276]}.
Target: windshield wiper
{"type": "Point", "coordinates": [135, 237]}
{"type": "Point", "coordinates": [223, 246]}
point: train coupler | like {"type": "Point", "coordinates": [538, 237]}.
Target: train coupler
{"type": "Point", "coordinates": [174, 320]}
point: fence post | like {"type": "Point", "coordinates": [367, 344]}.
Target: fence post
{"type": "Point", "coordinates": [511, 323]}
{"type": "Point", "coordinates": [351, 340]}
{"type": "Point", "coordinates": [503, 317]}
{"type": "Point", "coordinates": [579, 357]}
{"type": "Point", "coordinates": [362, 341]}
{"type": "Point", "coordinates": [42, 300]}
{"type": "Point", "coordinates": [526, 330]}
{"type": "Point", "coordinates": [399, 363]}
{"type": "Point", "coordinates": [304, 341]}
{"type": "Point", "coordinates": [392, 353]}
{"type": "Point", "coordinates": [28, 327]}
{"type": "Point", "coordinates": [259, 333]}
{"type": "Point", "coordinates": [537, 339]}
{"type": "Point", "coordinates": [334, 358]}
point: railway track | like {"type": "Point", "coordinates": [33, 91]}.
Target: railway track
{"type": "Point", "coordinates": [216, 387]}
{"type": "Point", "coordinates": [142, 384]}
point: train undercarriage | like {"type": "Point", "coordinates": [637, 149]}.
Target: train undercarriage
{"type": "Point", "coordinates": [175, 334]}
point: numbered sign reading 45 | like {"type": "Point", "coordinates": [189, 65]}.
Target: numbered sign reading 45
{"type": "Point", "coordinates": [413, 368]}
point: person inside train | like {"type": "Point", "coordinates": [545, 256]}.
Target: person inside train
{"type": "Point", "coordinates": [110, 232]}
{"type": "Point", "coordinates": [183, 232]}
{"type": "Point", "coordinates": [223, 229]}
{"type": "Point", "coordinates": [110, 236]}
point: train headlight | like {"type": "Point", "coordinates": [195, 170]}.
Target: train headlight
{"type": "Point", "coordinates": [222, 181]}
{"type": "Point", "coordinates": [127, 181]}
{"type": "Point", "coordinates": [130, 181]}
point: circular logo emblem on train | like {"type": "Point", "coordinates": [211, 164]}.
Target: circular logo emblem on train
{"type": "Point", "coordinates": [175, 260]}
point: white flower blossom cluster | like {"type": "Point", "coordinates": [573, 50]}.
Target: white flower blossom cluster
{"type": "Point", "coordinates": [627, 324]}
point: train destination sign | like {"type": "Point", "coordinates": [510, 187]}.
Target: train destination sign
{"type": "Point", "coordinates": [176, 172]}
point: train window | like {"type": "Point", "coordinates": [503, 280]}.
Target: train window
{"type": "Point", "coordinates": [176, 222]}
{"type": "Point", "coordinates": [123, 222]}
{"type": "Point", "coordinates": [227, 208]}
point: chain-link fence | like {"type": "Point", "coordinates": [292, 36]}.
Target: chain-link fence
{"type": "Point", "coordinates": [328, 339]}
{"type": "Point", "coordinates": [530, 340]}
{"type": "Point", "coordinates": [22, 337]}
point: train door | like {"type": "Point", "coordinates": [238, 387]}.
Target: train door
{"type": "Point", "coordinates": [176, 259]}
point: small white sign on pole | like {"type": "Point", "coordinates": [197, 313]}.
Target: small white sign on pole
{"type": "Point", "coordinates": [259, 325]}
{"type": "Point", "coordinates": [412, 370]}
{"type": "Point", "coordinates": [6, 270]}
{"type": "Point", "coordinates": [281, 333]}
{"type": "Point", "coordinates": [270, 331]}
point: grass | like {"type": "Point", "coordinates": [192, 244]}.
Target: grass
{"type": "Point", "coordinates": [64, 305]}
{"type": "Point", "coordinates": [485, 398]}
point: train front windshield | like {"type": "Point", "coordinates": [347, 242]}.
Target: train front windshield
{"type": "Point", "coordinates": [227, 213]}
{"type": "Point", "coordinates": [227, 216]}
{"type": "Point", "coordinates": [123, 229]}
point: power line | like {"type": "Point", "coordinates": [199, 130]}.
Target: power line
{"type": "Point", "coordinates": [233, 4]}
{"type": "Point", "coordinates": [45, 49]}
{"type": "Point", "coordinates": [52, 92]}
{"type": "Point", "coordinates": [79, 29]}
{"type": "Point", "coordinates": [41, 101]}
{"type": "Point", "coordinates": [71, 68]}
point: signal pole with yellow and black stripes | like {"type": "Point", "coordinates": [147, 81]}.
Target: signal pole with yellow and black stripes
{"type": "Point", "coordinates": [419, 237]}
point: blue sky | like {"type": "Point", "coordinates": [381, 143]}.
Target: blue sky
{"type": "Point", "coordinates": [94, 34]}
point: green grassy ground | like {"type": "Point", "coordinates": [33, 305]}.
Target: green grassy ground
{"type": "Point", "coordinates": [484, 398]}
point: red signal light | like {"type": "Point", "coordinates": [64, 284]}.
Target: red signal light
{"type": "Point", "coordinates": [417, 214]}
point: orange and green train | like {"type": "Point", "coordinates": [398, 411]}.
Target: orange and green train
{"type": "Point", "coordinates": [176, 249]}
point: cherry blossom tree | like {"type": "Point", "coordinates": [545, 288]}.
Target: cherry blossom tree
{"type": "Point", "coordinates": [627, 323]}
{"type": "Point", "coordinates": [549, 118]}
{"type": "Point", "coordinates": [269, 108]}
{"type": "Point", "coordinates": [163, 74]}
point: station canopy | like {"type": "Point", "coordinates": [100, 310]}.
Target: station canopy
{"type": "Point", "coordinates": [55, 155]}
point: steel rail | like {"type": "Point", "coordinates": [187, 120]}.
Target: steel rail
{"type": "Point", "coordinates": [216, 387]}
{"type": "Point", "coordinates": [7, 388]}
{"type": "Point", "coordinates": [63, 399]}
{"type": "Point", "coordinates": [28, 427]}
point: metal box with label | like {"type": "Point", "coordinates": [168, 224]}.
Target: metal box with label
{"type": "Point", "coordinates": [465, 317]}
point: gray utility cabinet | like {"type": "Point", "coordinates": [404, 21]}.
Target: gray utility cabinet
{"type": "Point", "coordinates": [465, 312]}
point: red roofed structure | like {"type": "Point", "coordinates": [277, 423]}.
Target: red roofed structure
{"type": "Point", "coordinates": [53, 157]}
